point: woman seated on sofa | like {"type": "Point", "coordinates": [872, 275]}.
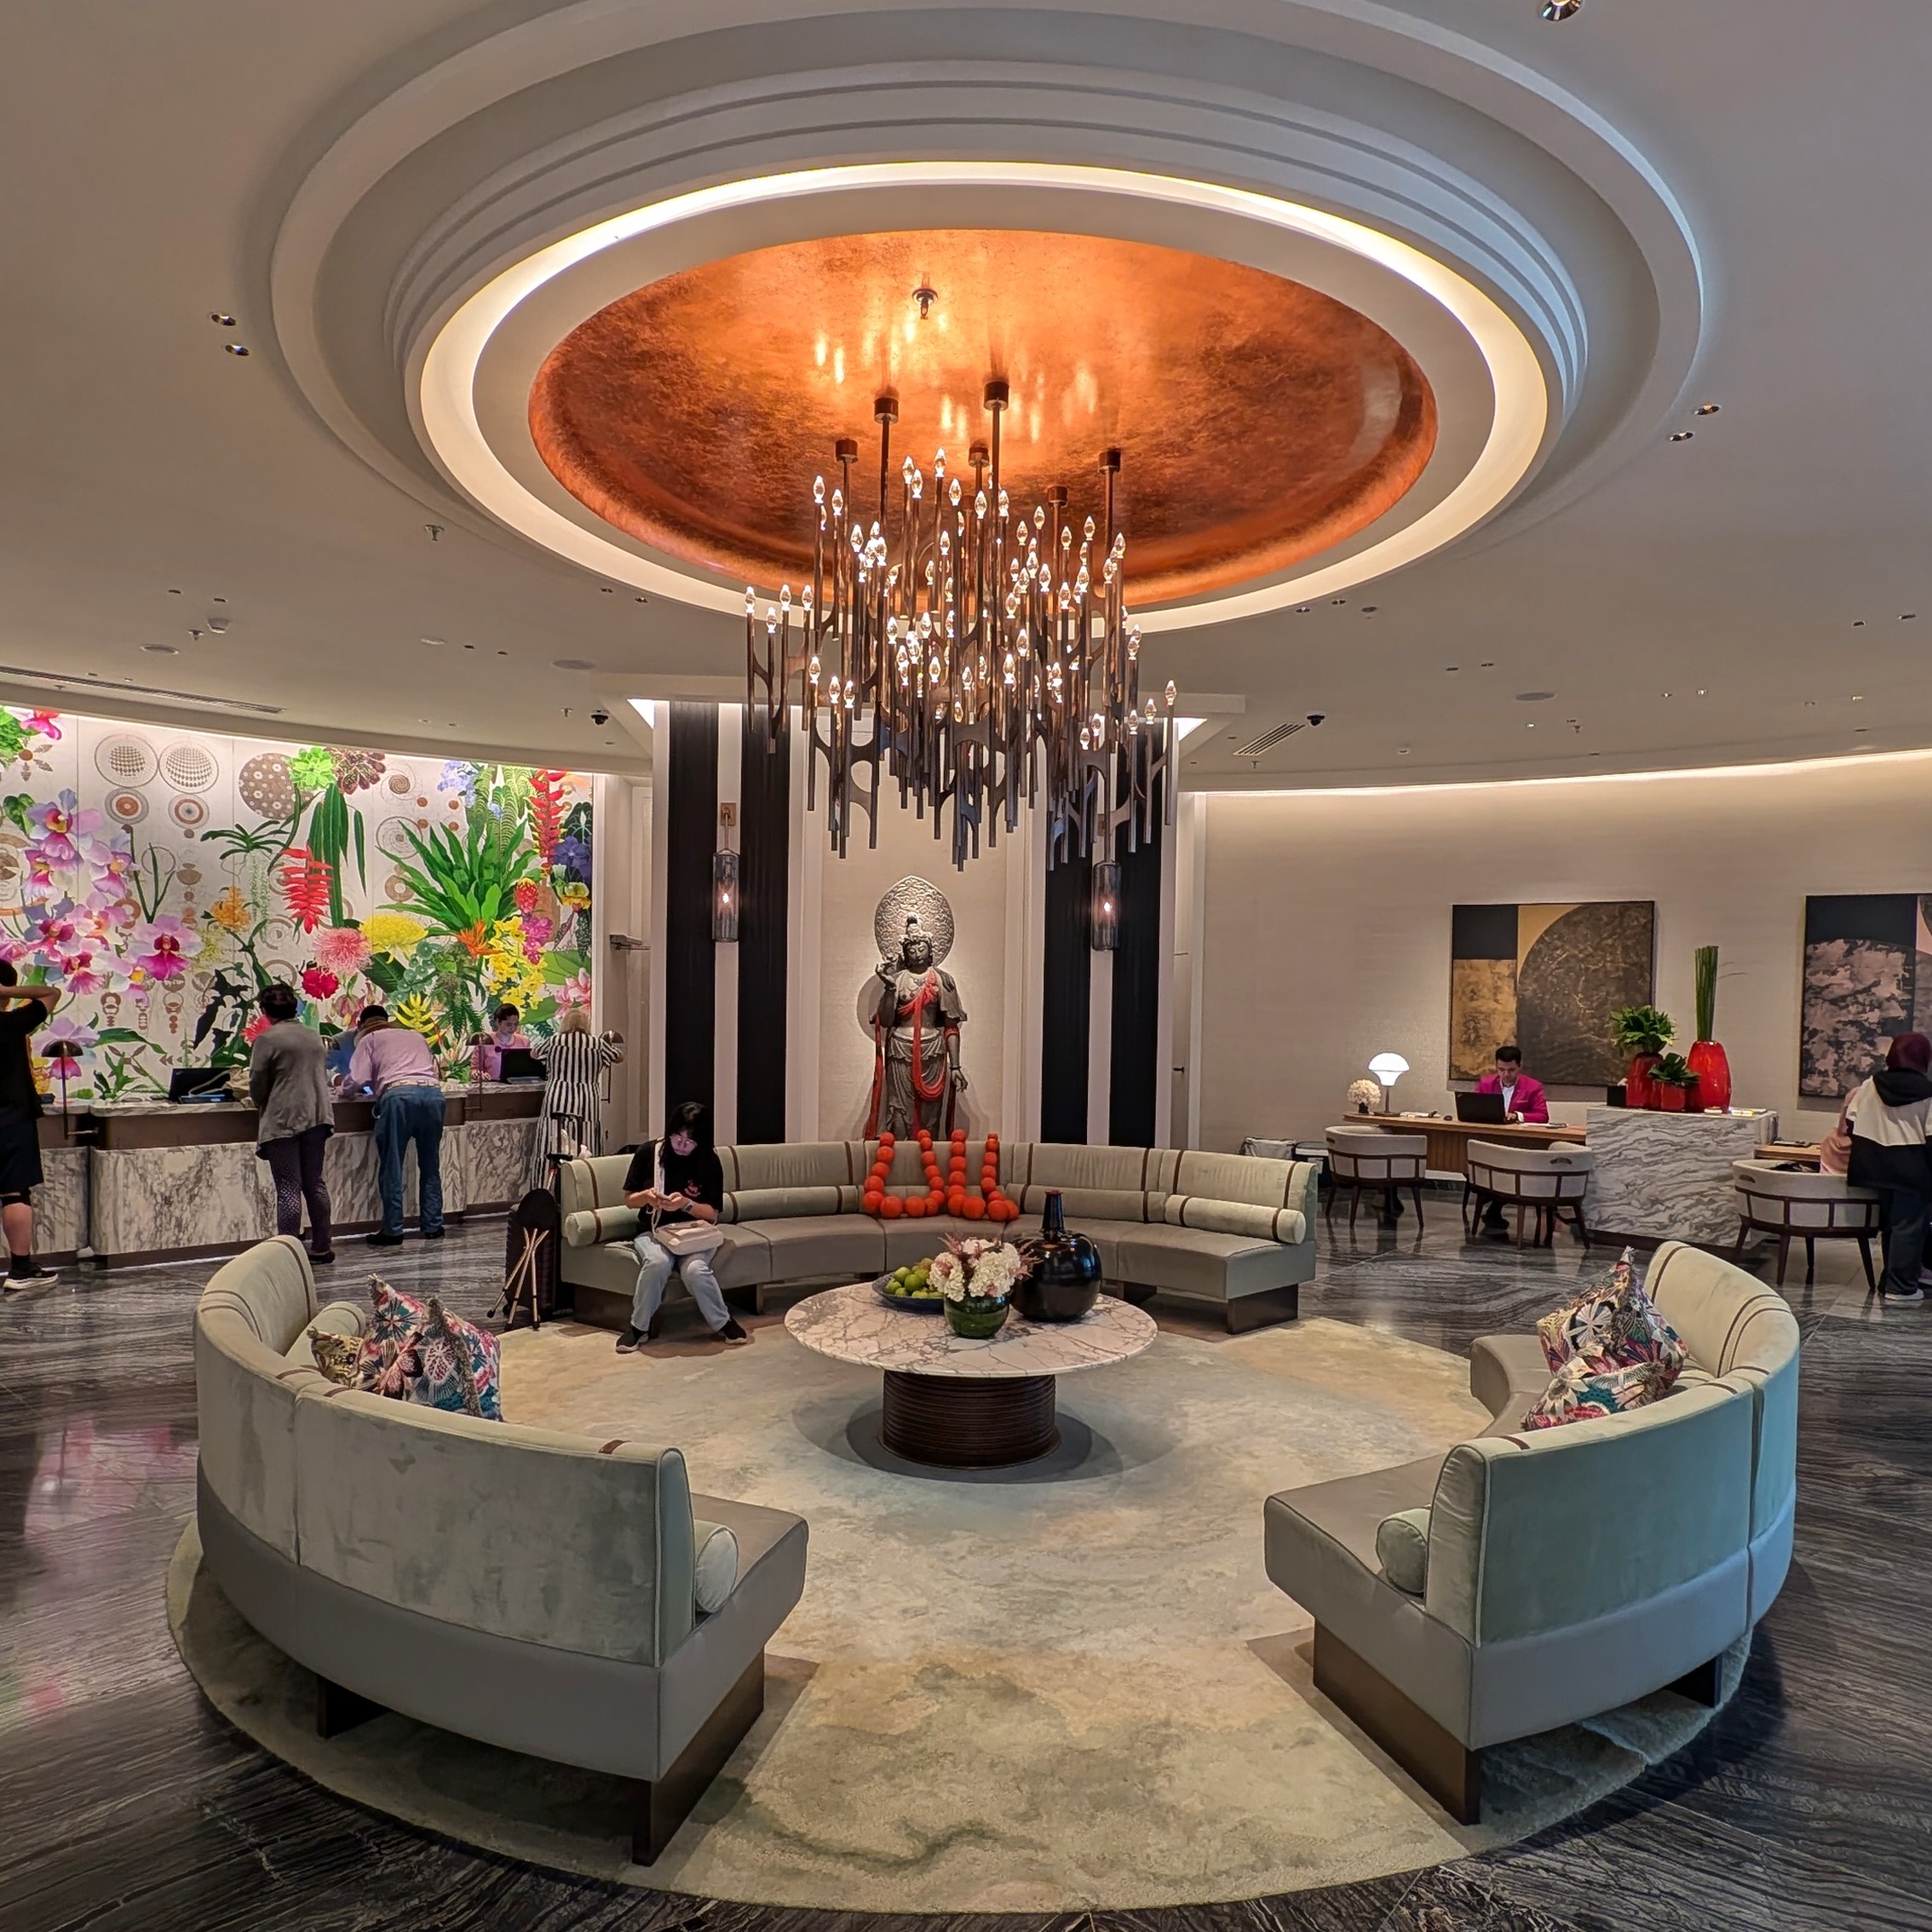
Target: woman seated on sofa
{"type": "Point", "coordinates": [692, 1195]}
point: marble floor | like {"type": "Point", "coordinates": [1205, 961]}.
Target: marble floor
{"type": "Point", "coordinates": [127, 1806]}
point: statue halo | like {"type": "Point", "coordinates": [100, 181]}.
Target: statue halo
{"type": "Point", "coordinates": [915, 898]}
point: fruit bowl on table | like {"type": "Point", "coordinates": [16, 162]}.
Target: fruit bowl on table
{"type": "Point", "coordinates": [930, 1302]}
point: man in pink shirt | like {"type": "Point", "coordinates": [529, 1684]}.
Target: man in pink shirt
{"type": "Point", "coordinates": [1523, 1099]}
{"type": "Point", "coordinates": [1523, 1102]}
{"type": "Point", "coordinates": [397, 1065]}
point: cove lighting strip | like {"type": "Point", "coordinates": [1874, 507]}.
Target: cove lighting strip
{"type": "Point", "coordinates": [1520, 416]}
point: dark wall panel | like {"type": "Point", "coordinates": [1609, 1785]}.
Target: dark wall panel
{"type": "Point", "coordinates": [764, 880]}
{"type": "Point", "coordinates": [1065, 1002]}
{"type": "Point", "coordinates": [1134, 1074]}
{"type": "Point", "coordinates": [690, 965]}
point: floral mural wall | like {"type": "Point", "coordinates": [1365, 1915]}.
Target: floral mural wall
{"type": "Point", "coordinates": [162, 877]}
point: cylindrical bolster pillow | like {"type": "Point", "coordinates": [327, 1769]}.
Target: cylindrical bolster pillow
{"type": "Point", "coordinates": [1401, 1547]}
{"type": "Point", "coordinates": [589, 1227]}
{"type": "Point", "coordinates": [785, 1203]}
{"type": "Point", "coordinates": [717, 1570]}
{"type": "Point", "coordinates": [1236, 1217]}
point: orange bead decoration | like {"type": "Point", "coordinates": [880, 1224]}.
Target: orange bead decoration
{"type": "Point", "coordinates": [892, 1207]}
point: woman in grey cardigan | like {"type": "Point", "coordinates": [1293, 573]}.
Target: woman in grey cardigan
{"type": "Point", "coordinates": [289, 1084]}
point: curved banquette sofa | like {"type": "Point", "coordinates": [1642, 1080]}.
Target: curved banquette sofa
{"type": "Point", "coordinates": [1226, 1229]}
{"type": "Point", "coordinates": [1570, 1570]}
{"type": "Point", "coordinates": [531, 1588]}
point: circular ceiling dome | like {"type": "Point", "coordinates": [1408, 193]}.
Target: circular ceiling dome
{"type": "Point", "coordinates": [1261, 422]}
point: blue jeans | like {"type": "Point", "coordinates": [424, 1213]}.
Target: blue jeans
{"type": "Point", "coordinates": [402, 1115]}
{"type": "Point", "coordinates": [655, 1263]}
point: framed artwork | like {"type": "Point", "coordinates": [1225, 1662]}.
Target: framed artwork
{"type": "Point", "coordinates": [1867, 978]}
{"type": "Point", "coordinates": [1548, 977]}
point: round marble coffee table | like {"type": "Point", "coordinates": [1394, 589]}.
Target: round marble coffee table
{"type": "Point", "coordinates": [966, 1405]}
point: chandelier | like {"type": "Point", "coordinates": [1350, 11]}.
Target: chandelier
{"type": "Point", "coordinates": [977, 656]}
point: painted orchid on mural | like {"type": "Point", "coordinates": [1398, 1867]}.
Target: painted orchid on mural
{"type": "Point", "coordinates": [161, 879]}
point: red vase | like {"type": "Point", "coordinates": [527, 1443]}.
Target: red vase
{"type": "Point", "coordinates": [1670, 1100]}
{"type": "Point", "coordinates": [1712, 1066]}
{"type": "Point", "coordinates": [1639, 1089]}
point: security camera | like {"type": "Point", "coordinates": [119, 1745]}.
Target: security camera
{"type": "Point", "coordinates": [599, 715]}
{"type": "Point", "coordinates": [1315, 717]}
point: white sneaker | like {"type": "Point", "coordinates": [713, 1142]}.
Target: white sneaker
{"type": "Point", "coordinates": [1905, 1294]}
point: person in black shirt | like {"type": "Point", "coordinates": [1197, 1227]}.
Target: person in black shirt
{"type": "Point", "coordinates": [693, 1190]}
{"type": "Point", "coordinates": [22, 1009]}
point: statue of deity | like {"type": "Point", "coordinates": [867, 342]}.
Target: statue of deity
{"type": "Point", "coordinates": [916, 1075]}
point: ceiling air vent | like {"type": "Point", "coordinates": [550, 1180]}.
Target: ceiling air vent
{"type": "Point", "coordinates": [1268, 741]}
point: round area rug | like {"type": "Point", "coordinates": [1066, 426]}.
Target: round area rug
{"type": "Point", "coordinates": [1069, 1686]}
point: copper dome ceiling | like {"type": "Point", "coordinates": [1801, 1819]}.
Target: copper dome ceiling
{"type": "Point", "coordinates": [1261, 422]}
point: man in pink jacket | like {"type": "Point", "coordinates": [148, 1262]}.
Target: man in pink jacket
{"type": "Point", "coordinates": [1523, 1099]}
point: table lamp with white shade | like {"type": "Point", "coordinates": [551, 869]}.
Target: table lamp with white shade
{"type": "Point", "coordinates": [1389, 1068]}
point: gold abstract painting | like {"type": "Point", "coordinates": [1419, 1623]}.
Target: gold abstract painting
{"type": "Point", "coordinates": [1547, 978]}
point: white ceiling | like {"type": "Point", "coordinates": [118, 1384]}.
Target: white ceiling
{"type": "Point", "coordinates": [152, 158]}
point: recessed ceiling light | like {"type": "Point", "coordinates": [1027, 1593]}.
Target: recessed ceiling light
{"type": "Point", "coordinates": [1402, 751]}
{"type": "Point", "coordinates": [1531, 726]}
{"type": "Point", "coordinates": [1302, 610]}
{"type": "Point", "coordinates": [437, 641]}
{"type": "Point", "coordinates": [1862, 730]}
{"type": "Point", "coordinates": [1663, 693]}
{"type": "Point", "coordinates": [607, 589]}
{"type": "Point", "coordinates": [221, 318]}
{"type": "Point", "coordinates": [1534, 696]}
{"type": "Point", "coordinates": [1905, 617]}
{"type": "Point", "coordinates": [1561, 10]}
{"type": "Point", "coordinates": [1858, 623]}
{"type": "Point", "coordinates": [1709, 408]}
{"type": "Point", "coordinates": [236, 349]}
{"type": "Point", "coordinates": [174, 593]}
{"type": "Point", "coordinates": [1811, 704]}
{"type": "Point", "coordinates": [1488, 664]}
{"type": "Point", "coordinates": [1682, 435]}
{"type": "Point", "coordinates": [642, 600]}
{"type": "Point", "coordinates": [1858, 697]}
{"type": "Point", "coordinates": [1369, 610]}
{"type": "Point", "coordinates": [1337, 600]}
{"type": "Point", "coordinates": [162, 650]}
{"type": "Point", "coordinates": [1451, 667]}
{"type": "Point", "coordinates": [572, 663]}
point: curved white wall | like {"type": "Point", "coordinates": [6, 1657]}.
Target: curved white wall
{"type": "Point", "coordinates": [1326, 924]}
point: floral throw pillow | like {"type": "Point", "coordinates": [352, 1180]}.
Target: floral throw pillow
{"type": "Point", "coordinates": [457, 1366]}
{"type": "Point", "coordinates": [387, 1363]}
{"type": "Point", "coordinates": [1583, 1390]}
{"type": "Point", "coordinates": [1612, 1325]}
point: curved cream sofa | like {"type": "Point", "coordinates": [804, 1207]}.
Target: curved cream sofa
{"type": "Point", "coordinates": [1570, 1570]}
{"type": "Point", "coordinates": [1227, 1229]}
{"type": "Point", "coordinates": [527, 1588]}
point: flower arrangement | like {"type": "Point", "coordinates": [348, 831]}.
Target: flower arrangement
{"type": "Point", "coordinates": [976, 1268]}
{"type": "Point", "coordinates": [1364, 1096]}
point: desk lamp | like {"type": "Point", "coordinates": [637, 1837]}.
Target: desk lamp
{"type": "Point", "coordinates": [1389, 1068]}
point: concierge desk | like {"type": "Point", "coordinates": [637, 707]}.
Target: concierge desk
{"type": "Point", "coordinates": [1655, 1177]}
{"type": "Point", "coordinates": [145, 1180]}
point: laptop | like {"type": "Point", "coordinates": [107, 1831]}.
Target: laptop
{"type": "Point", "coordinates": [1486, 1110]}
{"type": "Point", "coordinates": [519, 1063]}
{"type": "Point", "coordinates": [198, 1083]}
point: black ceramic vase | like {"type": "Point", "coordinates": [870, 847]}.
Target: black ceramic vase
{"type": "Point", "coordinates": [1066, 1278]}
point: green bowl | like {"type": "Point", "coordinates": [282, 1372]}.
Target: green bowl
{"type": "Point", "coordinates": [978, 1318]}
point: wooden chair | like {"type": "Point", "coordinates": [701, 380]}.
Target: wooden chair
{"type": "Point", "coordinates": [1540, 1180]}
{"type": "Point", "coordinates": [1386, 1162]}
{"type": "Point", "coordinates": [1805, 1205]}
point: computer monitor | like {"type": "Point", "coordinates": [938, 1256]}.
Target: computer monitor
{"type": "Point", "coordinates": [198, 1083]}
{"type": "Point", "coordinates": [1486, 1110]}
{"type": "Point", "coordinates": [519, 1063]}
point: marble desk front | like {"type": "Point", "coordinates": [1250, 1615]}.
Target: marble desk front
{"type": "Point", "coordinates": [1667, 1176]}
{"type": "Point", "coordinates": [146, 1181]}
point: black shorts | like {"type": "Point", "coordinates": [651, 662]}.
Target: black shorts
{"type": "Point", "coordinates": [19, 1156]}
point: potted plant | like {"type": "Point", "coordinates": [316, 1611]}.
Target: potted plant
{"type": "Point", "coordinates": [976, 1277]}
{"type": "Point", "coordinates": [1643, 1032]}
{"type": "Point", "coordinates": [1676, 1085]}
{"type": "Point", "coordinates": [1709, 1060]}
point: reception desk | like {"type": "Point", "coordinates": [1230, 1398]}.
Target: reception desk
{"type": "Point", "coordinates": [145, 1180]}
{"type": "Point", "coordinates": [1655, 1177]}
